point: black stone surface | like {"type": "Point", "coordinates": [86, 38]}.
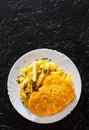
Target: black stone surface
{"type": "Point", "coordinates": [57, 24]}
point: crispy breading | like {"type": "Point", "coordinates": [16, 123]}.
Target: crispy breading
{"type": "Point", "coordinates": [52, 97]}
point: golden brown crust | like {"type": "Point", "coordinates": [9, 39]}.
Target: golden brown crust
{"type": "Point", "coordinates": [53, 96]}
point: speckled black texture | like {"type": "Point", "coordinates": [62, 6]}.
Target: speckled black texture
{"type": "Point", "coordinates": [57, 24]}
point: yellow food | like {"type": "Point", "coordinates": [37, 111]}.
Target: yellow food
{"type": "Point", "coordinates": [44, 88]}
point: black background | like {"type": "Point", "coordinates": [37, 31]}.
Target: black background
{"type": "Point", "coordinates": [62, 25]}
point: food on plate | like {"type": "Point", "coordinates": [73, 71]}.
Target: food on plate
{"type": "Point", "coordinates": [44, 88]}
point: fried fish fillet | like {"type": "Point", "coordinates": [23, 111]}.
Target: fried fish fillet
{"type": "Point", "coordinates": [52, 97]}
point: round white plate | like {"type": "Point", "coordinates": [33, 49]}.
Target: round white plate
{"type": "Point", "coordinates": [59, 59]}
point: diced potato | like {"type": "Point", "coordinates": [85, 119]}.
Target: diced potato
{"type": "Point", "coordinates": [52, 66]}
{"type": "Point", "coordinates": [30, 87]}
{"type": "Point", "coordinates": [40, 79]}
{"type": "Point", "coordinates": [24, 83]}
{"type": "Point", "coordinates": [34, 71]}
{"type": "Point", "coordinates": [55, 72]}
{"type": "Point", "coordinates": [23, 97]}
{"type": "Point", "coordinates": [69, 78]}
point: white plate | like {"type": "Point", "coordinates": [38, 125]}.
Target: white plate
{"type": "Point", "coordinates": [62, 61]}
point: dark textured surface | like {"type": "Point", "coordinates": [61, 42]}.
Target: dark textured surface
{"type": "Point", "coordinates": [57, 24]}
